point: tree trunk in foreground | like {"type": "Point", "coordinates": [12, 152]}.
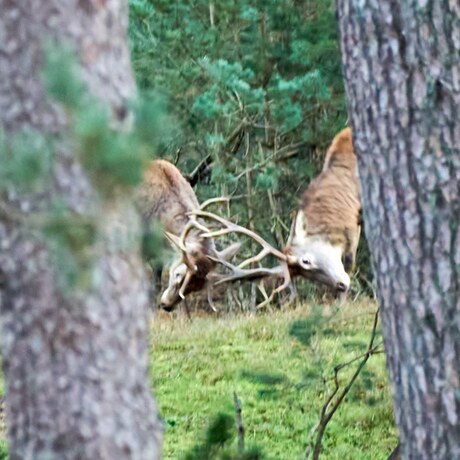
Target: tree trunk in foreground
{"type": "Point", "coordinates": [402, 72]}
{"type": "Point", "coordinates": [75, 365]}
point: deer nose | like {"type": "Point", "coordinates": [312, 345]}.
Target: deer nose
{"type": "Point", "coordinates": [341, 287]}
{"type": "Point", "coordinates": [167, 307]}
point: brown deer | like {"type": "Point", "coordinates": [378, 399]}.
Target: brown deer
{"type": "Point", "coordinates": [326, 230]}
{"type": "Point", "coordinates": [167, 197]}
{"type": "Point", "coordinates": [324, 234]}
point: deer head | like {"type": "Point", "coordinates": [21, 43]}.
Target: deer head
{"type": "Point", "coordinates": [314, 257]}
{"type": "Point", "coordinates": [166, 196]}
{"type": "Point", "coordinates": [190, 272]}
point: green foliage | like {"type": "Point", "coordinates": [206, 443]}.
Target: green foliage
{"type": "Point", "coordinates": [75, 232]}
{"type": "Point", "coordinates": [4, 450]}
{"type": "Point", "coordinates": [113, 157]}
{"type": "Point", "coordinates": [70, 238]}
{"type": "Point", "coordinates": [60, 76]}
{"type": "Point", "coordinates": [112, 160]}
{"type": "Point", "coordinates": [26, 161]}
{"type": "Point", "coordinates": [268, 177]}
{"type": "Point", "coordinates": [196, 366]}
{"type": "Point", "coordinates": [153, 246]}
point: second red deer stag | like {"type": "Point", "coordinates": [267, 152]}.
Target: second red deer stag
{"type": "Point", "coordinates": [325, 233]}
{"type": "Point", "coordinates": [167, 197]}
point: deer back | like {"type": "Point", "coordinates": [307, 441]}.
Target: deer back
{"type": "Point", "coordinates": [166, 196]}
{"type": "Point", "coordinates": [331, 203]}
{"type": "Point", "coordinates": [325, 231]}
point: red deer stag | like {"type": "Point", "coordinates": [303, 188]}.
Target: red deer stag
{"type": "Point", "coordinates": [166, 196]}
{"type": "Point", "coordinates": [325, 232]}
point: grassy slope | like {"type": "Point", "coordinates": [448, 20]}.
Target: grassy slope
{"type": "Point", "coordinates": [196, 367]}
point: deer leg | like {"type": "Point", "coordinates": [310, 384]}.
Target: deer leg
{"type": "Point", "coordinates": [210, 299]}
{"type": "Point", "coordinates": [187, 309]}
{"type": "Point", "coordinates": [352, 247]}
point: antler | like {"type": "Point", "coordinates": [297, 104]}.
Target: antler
{"type": "Point", "coordinates": [239, 272]}
{"type": "Point", "coordinates": [180, 242]}
{"type": "Point", "coordinates": [191, 224]}
{"type": "Point", "coordinates": [249, 273]}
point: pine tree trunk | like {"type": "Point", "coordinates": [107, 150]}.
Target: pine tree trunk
{"type": "Point", "coordinates": [75, 366]}
{"type": "Point", "coordinates": [402, 72]}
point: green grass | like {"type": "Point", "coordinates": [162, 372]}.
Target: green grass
{"type": "Point", "coordinates": [197, 365]}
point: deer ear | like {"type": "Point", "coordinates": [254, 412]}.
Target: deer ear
{"type": "Point", "coordinates": [299, 227]}
{"type": "Point", "coordinates": [230, 252]}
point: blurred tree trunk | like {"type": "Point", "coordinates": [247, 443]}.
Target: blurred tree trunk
{"type": "Point", "coordinates": [75, 365]}
{"type": "Point", "coordinates": [402, 72]}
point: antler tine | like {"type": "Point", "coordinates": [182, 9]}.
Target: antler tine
{"type": "Point", "coordinates": [267, 300]}
{"type": "Point", "coordinates": [191, 224]}
{"type": "Point", "coordinates": [219, 199]}
{"type": "Point", "coordinates": [286, 276]}
{"type": "Point", "coordinates": [238, 272]}
{"type": "Point", "coordinates": [257, 258]}
{"type": "Point", "coordinates": [245, 273]}
{"type": "Point", "coordinates": [188, 277]}
{"type": "Point", "coordinates": [242, 273]}
{"type": "Point", "coordinates": [231, 227]}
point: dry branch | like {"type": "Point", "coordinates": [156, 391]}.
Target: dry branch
{"type": "Point", "coordinates": [332, 403]}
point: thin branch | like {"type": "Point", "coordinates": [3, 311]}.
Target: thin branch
{"type": "Point", "coordinates": [330, 406]}
{"type": "Point", "coordinates": [211, 14]}
{"type": "Point", "coordinates": [283, 153]}
{"type": "Point", "coordinates": [194, 176]}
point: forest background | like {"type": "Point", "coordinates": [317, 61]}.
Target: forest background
{"type": "Point", "coordinates": [254, 95]}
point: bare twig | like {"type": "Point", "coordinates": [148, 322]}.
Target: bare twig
{"type": "Point", "coordinates": [200, 169]}
{"type": "Point", "coordinates": [332, 403]}
{"type": "Point", "coordinates": [211, 14]}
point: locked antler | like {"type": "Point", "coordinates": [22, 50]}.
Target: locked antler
{"type": "Point", "coordinates": [180, 242]}
{"type": "Point", "coordinates": [238, 272]}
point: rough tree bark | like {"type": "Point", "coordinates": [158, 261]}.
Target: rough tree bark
{"type": "Point", "coordinates": [75, 365]}
{"type": "Point", "coordinates": [402, 71]}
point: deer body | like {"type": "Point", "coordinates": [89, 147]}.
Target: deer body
{"type": "Point", "coordinates": [326, 229]}
{"type": "Point", "coordinates": [166, 196]}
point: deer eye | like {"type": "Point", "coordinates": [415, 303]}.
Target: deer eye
{"type": "Point", "coordinates": [306, 261]}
